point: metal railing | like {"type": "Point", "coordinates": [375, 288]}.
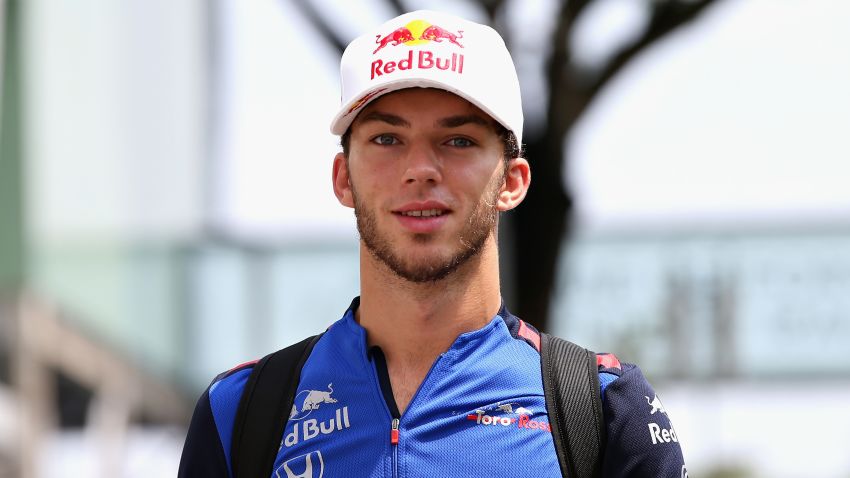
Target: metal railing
{"type": "Point", "coordinates": [38, 343]}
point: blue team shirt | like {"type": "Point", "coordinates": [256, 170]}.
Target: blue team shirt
{"type": "Point", "coordinates": [480, 411]}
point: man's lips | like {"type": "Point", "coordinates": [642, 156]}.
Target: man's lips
{"type": "Point", "coordinates": [423, 213]}
{"type": "Point", "coordinates": [422, 209]}
{"type": "Point", "coordinates": [422, 218]}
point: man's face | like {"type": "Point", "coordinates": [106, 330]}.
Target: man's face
{"type": "Point", "coordinates": [425, 172]}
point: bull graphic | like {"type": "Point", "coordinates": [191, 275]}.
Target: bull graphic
{"type": "Point", "coordinates": [396, 38]}
{"type": "Point", "coordinates": [317, 397]}
{"type": "Point", "coordinates": [438, 34]}
{"type": "Point", "coordinates": [656, 405]}
{"type": "Point", "coordinates": [509, 408]}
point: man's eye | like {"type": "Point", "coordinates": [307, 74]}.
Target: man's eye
{"type": "Point", "coordinates": [385, 140]}
{"type": "Point", "coordinates": [460, 142]}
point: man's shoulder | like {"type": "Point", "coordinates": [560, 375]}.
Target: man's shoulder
{"type": "Point", "coordinates": [623, 386]}
{"type": "Point", "coordinates": [622, 383]}
{"type": "Point", "coordinates": [206, 451]}
{"type": "Point", "coordinates": [641, 438]}
{"type": "Point", "coordinates": [226, 389]}
{"type": "Point", "coordinates": [231, 382]}
{"type": "Point", "coordinates": [228, 385]}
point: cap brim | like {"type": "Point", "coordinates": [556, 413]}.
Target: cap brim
{"type": "Point", "coordinates": [346, 115]}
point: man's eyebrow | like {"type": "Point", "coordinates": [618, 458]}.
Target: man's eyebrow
{"type": "Point", "coordinates": [460, 120]}
{"type": "Point", "coordinates": [390, 119]}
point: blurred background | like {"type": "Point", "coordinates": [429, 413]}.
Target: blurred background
{"type": "Point", "coordinates": [166, 212]}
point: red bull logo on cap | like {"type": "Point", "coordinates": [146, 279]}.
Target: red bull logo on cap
{"type": "Point", "coordinates": [418, 32]}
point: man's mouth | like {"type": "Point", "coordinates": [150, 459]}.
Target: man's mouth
{"type": "Point", "coordinates": [425, 217]}
{"type": "Point", "coordinates": [423, 213]}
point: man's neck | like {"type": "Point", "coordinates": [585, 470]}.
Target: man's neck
{"type": "Point", "coordinates": [415, 323]}
{"type": "Point", "coordinates": [408, 320]}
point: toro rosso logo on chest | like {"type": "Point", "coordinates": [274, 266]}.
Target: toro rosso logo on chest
{"type": "Point", "coordinates": [418, 33]}
{"type": "Point", "coordinates": [508, 415]}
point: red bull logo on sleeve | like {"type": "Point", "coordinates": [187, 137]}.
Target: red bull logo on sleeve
{"type": "Point", "coordinates": [655, 405]}
{"type": "Point", "coordinates": [418, 32]}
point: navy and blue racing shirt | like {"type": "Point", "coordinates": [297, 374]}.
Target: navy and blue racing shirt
{"type": "Point", "coordinates": [480, 411]}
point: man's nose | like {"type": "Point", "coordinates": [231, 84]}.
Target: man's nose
{"type": "Point", "coordinates": [422, 164]}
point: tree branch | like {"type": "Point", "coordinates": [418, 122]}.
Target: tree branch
{"type": "Point", "coordinates": [398, 8]}
{"type": "Point", "coordinates": [492, 9]}
{"type": "Point", "coordinates": [318, 22]}
{"type": "Point", "coordinates": [666, 17]}
{"type": "Point", "coordinates": [558, 77]}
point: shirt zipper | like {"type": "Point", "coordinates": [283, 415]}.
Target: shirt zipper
{"type": "Point", "coordinates": [394, 442]}
{"type": "Point", "coordinates": [380, 362]}
{"type": "Point", "coordinates": [394, 432]}
{"type": "Point", "coordinates": [383, 374]}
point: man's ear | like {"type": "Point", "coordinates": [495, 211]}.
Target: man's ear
{"type": "Point", "coordinates": [517, 181]}
{"type": "Point", "coordinates": [342, 181]}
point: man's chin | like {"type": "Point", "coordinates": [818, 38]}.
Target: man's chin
{"type": "Point", "coordinates": [422, 270]}
{"type": "Point", "coordinates": [424, 274]}
{"type": "Point", "coordinates": [426, 266]}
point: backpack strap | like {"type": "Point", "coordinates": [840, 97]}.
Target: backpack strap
{"type": "Point", "coordinates": [264, 409]}
{"type": "Point", "coordinates": [574, 404]}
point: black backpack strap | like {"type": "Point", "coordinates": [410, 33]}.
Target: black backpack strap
{"type": "Point", "coordinates": [264, 409]}
{"type": "Point", "coordinates": [574, 404]}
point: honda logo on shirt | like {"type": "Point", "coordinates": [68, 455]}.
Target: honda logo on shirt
{"type": "Point", "coordinates": [310, 465]}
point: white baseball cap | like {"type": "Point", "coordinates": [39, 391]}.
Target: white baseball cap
{"type": "Point", "coordinates": [431, 50]}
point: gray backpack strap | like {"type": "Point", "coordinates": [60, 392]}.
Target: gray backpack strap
{"type": "Point", "coordinates": [574, 404]}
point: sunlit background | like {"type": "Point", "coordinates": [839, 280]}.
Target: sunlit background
{"type": "Point", "coordinates": [166, 213]}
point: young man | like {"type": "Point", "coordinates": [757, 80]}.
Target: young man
{"type": "Point", "coordinates": [427, 373]}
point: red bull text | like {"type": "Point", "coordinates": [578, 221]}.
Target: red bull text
{"type": "Point", "coordinates": [311, 428]}
{"type": "Point", "coordinates": [424, 60]}
{"type": "Point", "coordinates": [418, 32]}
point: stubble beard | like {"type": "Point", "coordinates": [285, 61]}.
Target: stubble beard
{"type": "Point", "coordinates": [480, 224]}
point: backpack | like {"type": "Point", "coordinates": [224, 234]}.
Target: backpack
{"type": "Point", "coordinates": [570, 384]}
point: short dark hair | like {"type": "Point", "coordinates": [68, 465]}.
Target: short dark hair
{"type": "Point", "coordinates": [511, 147]}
